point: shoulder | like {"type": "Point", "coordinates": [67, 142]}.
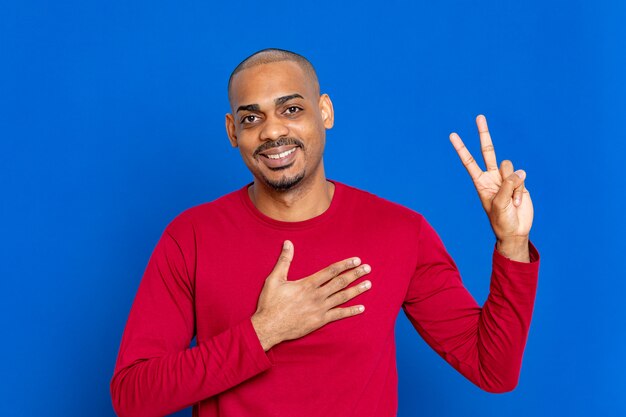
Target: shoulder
{"type": "Point", "coordinates": [204, 214]}
{"type": "Point", "coordinates": [381, 209]}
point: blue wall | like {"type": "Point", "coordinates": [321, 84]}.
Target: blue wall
{"type": "Point", "coordinates": [111, 123]}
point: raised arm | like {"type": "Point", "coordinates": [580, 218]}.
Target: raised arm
{"type": "Point", "coordinates": [486, 344]}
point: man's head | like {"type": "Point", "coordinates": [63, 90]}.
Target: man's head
{"type": "Point", "coordinates": [267, 56]}
{"type": "Point", "coordinates": [278, 118]}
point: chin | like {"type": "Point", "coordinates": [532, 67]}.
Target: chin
{"type": "Point", "coordinates": [284, 183]}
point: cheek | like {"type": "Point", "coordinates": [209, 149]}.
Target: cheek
{"type": "Point", "coordinates": [247, 144]}
{"type": "Point", "coordinates": [246, 155]}
{"type": "Point", "coordinates": [312, 132]}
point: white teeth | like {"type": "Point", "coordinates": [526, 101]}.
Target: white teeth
{"type": "Point", "coordinates": [282, 154]}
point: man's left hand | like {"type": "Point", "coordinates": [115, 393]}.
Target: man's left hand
{"type": "Point", "coordinates": [502, 193]}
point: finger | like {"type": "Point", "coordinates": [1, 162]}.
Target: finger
{"type": "Point", "coordinates": [331, 271]}
{"type": "Point", "coordinates": [486, 146]}
{"type": "Point", "coordinates": [348, 294]}
{"type": "Point", "coordinates": [343, 312]}
{"type": "Point", "coordinates": [519, 191]}
{"type": "Point", "coordinates": [342, 281]}
{"type": "Point", "coordinates": [506, 168]}
{"type": "Point", "coordinates": [281, 268]}
{"type": "Point", "coordinates": [504, 196]}
{"type": "Point", "coordinates": [466, 157]}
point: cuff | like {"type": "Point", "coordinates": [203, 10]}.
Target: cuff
{"type": "Point", "coordinates": [257, 354]}
{"type": "Point", "coordinates": [511, 277]}
{"type": "Point", "coordinates": [500, 259]}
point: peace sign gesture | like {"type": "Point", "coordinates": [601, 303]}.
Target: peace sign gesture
{"type": "Point", "coordinates": [502, 193]}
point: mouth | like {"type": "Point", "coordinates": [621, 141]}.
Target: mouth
{"type": "Point", "coordinates": [280, 157]}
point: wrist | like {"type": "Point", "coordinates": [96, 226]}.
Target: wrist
{"type": "Point", "coordinates": [265, 336]}
{"type": "Point", "coordinates": [514, 248]}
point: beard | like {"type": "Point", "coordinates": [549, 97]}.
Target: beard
{"type": "Point", "coordinates": [284, 183]}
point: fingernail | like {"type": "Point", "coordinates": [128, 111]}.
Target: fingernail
{"type": "Point", "coordinates": [361, 308]}
{"type": "Point", "coordinates": [366, 285]}
{"type": "Point", "coordinates": [356, 261]}
{"type": "Point", "coordinates": [517, 201]}
{"type": "Point", "coordinates": [286, 244]}
{"type": "Point", "coordinates": [367, 268]}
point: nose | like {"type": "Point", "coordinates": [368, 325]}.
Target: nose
{"type": "Point", "coordinates": [273, 129]}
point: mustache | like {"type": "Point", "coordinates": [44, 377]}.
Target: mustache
{"type": "Point", "coordinates": [276, 144]}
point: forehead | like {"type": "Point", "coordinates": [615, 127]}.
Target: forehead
{"type": "Point", "coordinates": [265, 82]}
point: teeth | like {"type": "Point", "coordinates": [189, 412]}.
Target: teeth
{"type": "Point", "coordinates": [282, 154]}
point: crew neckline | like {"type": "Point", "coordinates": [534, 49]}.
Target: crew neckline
{"type": "Point", "coordinates": [304, 224]}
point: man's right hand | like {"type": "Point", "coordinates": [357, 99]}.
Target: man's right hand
{"type": "Point", "coordinates": [291, 309]}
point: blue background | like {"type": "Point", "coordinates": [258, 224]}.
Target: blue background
{"type": "Point", "coordinates": [111, 123]}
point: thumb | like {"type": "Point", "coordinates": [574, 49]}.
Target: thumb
{"type": "Point", "coordinates": [281, 269]}
{"type": "Point", "coordinates": [513, 182]}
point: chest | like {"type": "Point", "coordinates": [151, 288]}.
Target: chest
{"type": "Point", "coordinates": [231, 271]}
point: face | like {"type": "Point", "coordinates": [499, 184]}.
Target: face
{"type": "Point", "coordinates": [279, 123]}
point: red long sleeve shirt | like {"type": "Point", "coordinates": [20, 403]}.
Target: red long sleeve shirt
{"type": "Point", "coordinates": [204, 279]}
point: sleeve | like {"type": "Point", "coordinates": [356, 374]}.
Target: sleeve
{"type": "Point", "coordinates": [485, 344]}
{"type": "Point", "coordinates": [157, 373]}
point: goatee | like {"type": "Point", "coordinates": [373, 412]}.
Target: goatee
{"type": "Point", "coordinates": [285, 183]}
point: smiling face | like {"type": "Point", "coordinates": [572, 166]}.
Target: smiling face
{"type": "Point", "coordinates": [279, 123]}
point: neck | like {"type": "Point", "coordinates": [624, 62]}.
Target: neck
{"type": "Point", "coordinates": [302, 203]}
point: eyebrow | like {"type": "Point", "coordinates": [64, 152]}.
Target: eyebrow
{"type": "Point", "coordinates": [278, 102]}
{"type": "Point", "coordinates": [249, 107]}
{"type": "Point", "coordinates": [284, 99]}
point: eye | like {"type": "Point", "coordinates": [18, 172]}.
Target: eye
{"type": "Point", "coordinates": [250, 118]}
{"type": "Point", "coordinates": [293, 110]}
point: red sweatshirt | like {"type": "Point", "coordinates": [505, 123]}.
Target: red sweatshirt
{"type": "Point", "coordinates": [204, 279]}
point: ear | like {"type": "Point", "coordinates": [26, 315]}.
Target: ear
{"type": "Point", "coordinates": [230, 130]}
{"type": "Point", "coordinates": [326, 109]}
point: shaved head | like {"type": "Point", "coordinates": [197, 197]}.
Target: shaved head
{"type": "Point", "coordinates": [266, 56]}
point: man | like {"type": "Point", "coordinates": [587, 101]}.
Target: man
{"type": "Point", "coordinates": [309, 331]}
